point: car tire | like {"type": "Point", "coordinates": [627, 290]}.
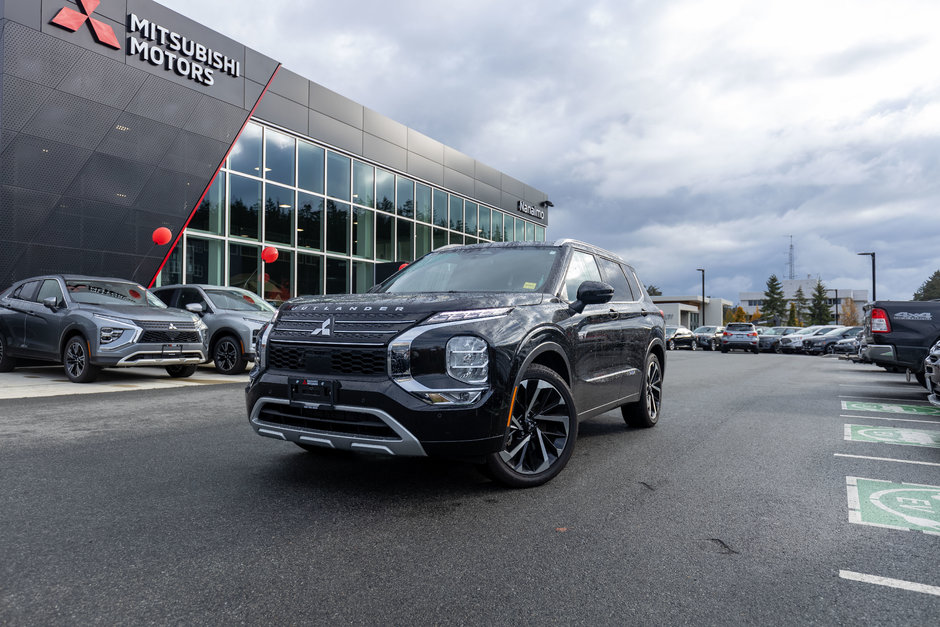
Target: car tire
{"type": "Point", "coordinates": [521, 463]}
{"type": "Point", "coordinates": [76, 360]}
{"type": "Point", "coordinates": [7, 362]}
{"type": "Point", "coordinates": [645, 412]}
{"type": "Point", "coordinates": [777, 349]}
{"type": "Point", "coordinates": [830, 350]}
{"type": "Point", "coordinates": [671, 345]}
{"type": "Point", "coordinates": [694, 346]}
{"type": "Point", "coordinates": [921, 378]}
{"type": "Point", "coordinates": [181, 371]}
{"type": "Point", "coordinates": [227, 356]}
{"type": "Point", "coordinates": [755, 350]}
{"type": "Point", "coordinates": [724, 349]}
{"type": "Point", "coordinates": [713, 345]}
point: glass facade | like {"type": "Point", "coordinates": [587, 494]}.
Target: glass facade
{"type": "Point", "coordinates": [330, 216]}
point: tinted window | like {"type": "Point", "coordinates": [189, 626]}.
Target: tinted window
{"type": "Point", "coordinates": [100, 292]}
{"type": "Point", "coordinates": [613, 274]}
{"type": "Point", "coordinates": [477, 270]}
{"type": "Point", "coordinates": [740, 326]}
{"type": "Point", "coordinates": [27, 291]}
{"type": "Point", "coordinates": [166, 296]}
{"type": "Point", "coordinates": [190, 295]}
{"type": "Point", "coordinates": [581, 268]}
{"type": "Point", "coordinates": [635, 284]}
{"type": "Point", "coordinates": [50, 287]}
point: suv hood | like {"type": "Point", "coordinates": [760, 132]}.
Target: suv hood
{"type": "Point", "coordinates": [410, 304]}
{"type": "Point", "coordinates": [137, 312]}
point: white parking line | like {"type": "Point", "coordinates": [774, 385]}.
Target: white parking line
{"type": "Point", "coordinates": [891, 583]}
{"type": "Point", "coordinates": [881, 398]}
{"type": "Point", "coordinates": [886, 459]}
{"type": "Point", "coordinates": [929, 422]}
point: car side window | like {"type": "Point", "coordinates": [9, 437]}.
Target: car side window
{"type": "Point", "coordinates": [581, 268]}
{"type": "Point", "coordinates": [191, 295]}
{"type": "Point", "coordinates": [638, 288]}
{"type": "Point", "coordinates": [613, 275]}
{"type": "Point", "coordinates": [27, 291]}
{"type": "Point", "coordinates": [50, 287]}
{"type": "Point", "coordinates": [166, 296]}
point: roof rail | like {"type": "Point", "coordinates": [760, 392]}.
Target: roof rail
{"type": "Point", "coordinates": [592, 247]}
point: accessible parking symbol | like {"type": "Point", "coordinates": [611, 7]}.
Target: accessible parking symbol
{"type": "Point", "coordinates": [890, 435]}
{"type": "Point", "coordinates": [905, 506]}
{"type": "Point", "coordinates": [891, 408]}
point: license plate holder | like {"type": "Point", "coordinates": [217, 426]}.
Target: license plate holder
{"type": "Point", "coordinates": [172, 350]}
{"type": "Point", "coordinates": [311, 391]}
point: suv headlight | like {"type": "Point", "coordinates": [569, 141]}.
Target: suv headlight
{"type": "Point", "coordinates": [468, 359]}
{"type": "Point", "coordinates": [117, 332]}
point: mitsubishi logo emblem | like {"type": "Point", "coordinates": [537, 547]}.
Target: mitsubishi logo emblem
{"type": "Point", "coordinates": [172, 327]}
{"type": "Point", "coordinates": [324, 329]}
{"type": "Point", "coordinates": [72, 20]}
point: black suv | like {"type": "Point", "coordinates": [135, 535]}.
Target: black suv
{"type": "Point", "coordinates": [491, 353]}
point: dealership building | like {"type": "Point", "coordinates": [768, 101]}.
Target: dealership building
{"type": "Point", "coordinates": [123, 116]}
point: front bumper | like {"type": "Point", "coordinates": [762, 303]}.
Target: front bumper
{"type": "Point", "coordinates": [376, 415]}
{"type": "Point", "coordinates": [151, 355]}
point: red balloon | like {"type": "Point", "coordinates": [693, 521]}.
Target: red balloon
{"type": "Point", "coordinates": [162, 236]}
{"type": "Point", "coordinates": [269, 254]}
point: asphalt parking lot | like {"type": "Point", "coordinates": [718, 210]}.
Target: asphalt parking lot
{"type": "Point", "coordinates": [777, 489]}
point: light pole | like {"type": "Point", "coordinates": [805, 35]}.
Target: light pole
{"type": "Point", "coordinates": [874, 296]}
{"type": "Point", "coordinates": [702, 270]}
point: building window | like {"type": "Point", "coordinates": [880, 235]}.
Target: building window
{"type": "Point", "coordinates": [405, 241]}
{"type": "Point", "coordinates": [243, 264]}
{"type": "Point", "coordinates": [406, 197]}
{"type": "Point", "coordinates": [362, 232]}
{"type": "Point", "coordinates": [244, 207]}
{"type": "Point", "coordinates": [384, 224]}
{"type": "Point", "coordinates": [337, 276]}
{"type": "Point", "coordinates": [337, 176]}
{"type": "Point", "coordinates": [279, 157]}
{"type": "Point", "coordinates": [309, 275]}
{"type": "Point", "coordinates": [470, 218]}
{"type": "Point", "coordinates": [483, 223]}
{"type": "Point", "coordinates": [279, 214]}
{"type": "Point", "coordinates": [440, 208]}
{"type": "Point", "coordinates": [278, 283]}
{"type": "Point", "coordinates": [204, 260]}
{"type": "Point", "coordinates": [385, 190]}
{"type": "Point", "coordinates": [309, 221]}
{"type": "Point", "coordinates": [422, 240]}
{"type": "Point", "coordinates": [422, 203]}
{"type": "Point", "coordinates": [456, 213]}
{"type": "Point", "coordinates": [310, 162]}
{"type": "Point", "coordinates": [337, 227]}
{"type": "Point", "coordinates": [363, 184]}
{"type": "Point", "coordinates": [246, 154]}
{"type": "Point", "coordinates": [210, 217]}
{"type": "Point", "coordinates": [363, 276]}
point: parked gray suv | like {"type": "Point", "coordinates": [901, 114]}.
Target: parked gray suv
{"type": "Point", "coordinates": [89, 323]}
{"type": "Point", "coordinates": [233, 316]}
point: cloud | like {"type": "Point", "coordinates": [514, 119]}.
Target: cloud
{"type": "Point", "coordinates": [681, 134]}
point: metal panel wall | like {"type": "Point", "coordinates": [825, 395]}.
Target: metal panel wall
{"type": "Point", "coordinates": [100, 147]}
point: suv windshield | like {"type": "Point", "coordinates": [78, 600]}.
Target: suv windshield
{"type": "Point", "coordinates": [96, 292]}
{"type": "Point", "coordinates": [238, 300]}
{"type": "Point", "coordinates": [484, 269]}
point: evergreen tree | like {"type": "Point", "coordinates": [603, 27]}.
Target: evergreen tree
{"type": "Point", "coordinates": [775, 305]}
{"type": "Point", "coordinates": [792, 319]}
{"type": "Point", "coordinates": [802, 306]}
{"type": "Point", "coordinates": [819, 312]}
{"type": "Point", "coordinates": [930, 288]}
{"type": "Point", "coordinates": [652, 290]}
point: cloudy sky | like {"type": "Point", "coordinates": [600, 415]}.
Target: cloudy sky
{"type": "Point", "coordinates": [681, 134]}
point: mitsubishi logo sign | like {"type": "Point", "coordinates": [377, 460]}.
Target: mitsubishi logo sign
{"type": "Point", "coordinates": [72, 20]}
{"type": "Point", "coordinates": [324, 329]}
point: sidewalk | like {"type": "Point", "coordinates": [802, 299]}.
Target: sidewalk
{"type": "Point", "coordinates": [42, 381]}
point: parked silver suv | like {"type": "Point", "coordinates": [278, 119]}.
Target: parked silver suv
{"type": "Point", "coordinates": [89, 323]}
{"type": "Point", "coordinates": [233, 315]}
{"type": "Point", "coordinates": [741, 335]}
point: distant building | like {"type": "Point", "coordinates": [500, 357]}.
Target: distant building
{"type": "Point", "coordinates": [836, 297]}
{"type": "Point", "coordinates": [686, 310]}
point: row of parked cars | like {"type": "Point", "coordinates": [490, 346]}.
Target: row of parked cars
{"type": "Point", "coordinates": [89, 323]}
{"type": "Point", "coordinates": [813, 340]}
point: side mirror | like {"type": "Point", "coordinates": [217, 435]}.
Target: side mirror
{"type": "Point", "coordinates": [592, 293]}
{"type": "Point", "coordinates": [51, 302]}
{"type": "Point", "coordinates": [196, 308]}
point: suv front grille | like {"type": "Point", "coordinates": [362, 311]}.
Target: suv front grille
{"type": "Point", "coordinates": [168, 337]}
{"type": "Point", "coordinates": [315, 360]}
{"type": "Point", "coordinates": [326, 420]}
{"type": "Point", "coordinates": [340, 327]}
{"type": "Point", "coordinates": [152, 325]}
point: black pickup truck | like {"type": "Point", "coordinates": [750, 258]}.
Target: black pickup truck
{"type": "Point", "coordinates": [899, 333]}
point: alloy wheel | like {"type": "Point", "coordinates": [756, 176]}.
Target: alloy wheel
{"type": "Point", "coordinates": [538, 429]}
{"type": "Point", "coordinates": [654, 389]}
{"type": "Point", "coordinates": [226, 354]}
{"type": "Point", "coordinates": [75, 359]}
